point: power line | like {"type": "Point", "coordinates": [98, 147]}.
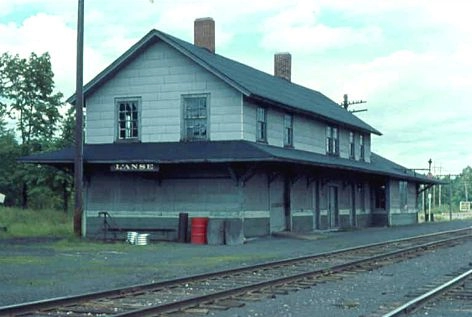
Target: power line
{"type": "Point", "coordinates": [346, 103]}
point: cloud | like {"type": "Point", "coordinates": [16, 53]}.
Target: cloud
{"type": "Point", "coordinates": [42, 33]}
{"type": "Point", "coordinates": [409, 59]}
{"type": "Point", "coordinates": [297, 28]}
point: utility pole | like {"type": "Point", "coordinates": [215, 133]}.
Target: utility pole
{"type": "Point", "coordinates": [79, 126]}
{"type": "Point", "coordinates": [346, 103]}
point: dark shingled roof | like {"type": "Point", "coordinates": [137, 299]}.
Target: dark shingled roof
{"type": "Point", "coordinates": [251, 82]}
{"type": "Point", "coordinates": [220, 152]}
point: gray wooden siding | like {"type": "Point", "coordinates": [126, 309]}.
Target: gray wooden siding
{"type": "Point", "coordinates": [395, 198]}
{"type": "Point", "coordinates": [302, 196]}
{"type": "Point", "coordinates": [367, 141]}
{"type": "Point", "coordinates": [275, 127]}
{"type": "Point", "coordinates": [133, 194]}
{"type": "Point", "coordinates": [249, 121]}
{"type": "Point", "coordinates": [412, 197]}
{"type": "Point", "coordinates": [256, 194]}
{"type": "Point", "coordinates": [309, 135]}
{"type": "Point", "coordinates": [160, 76]}
{"type": "Point", "coordinates": [343, 143]}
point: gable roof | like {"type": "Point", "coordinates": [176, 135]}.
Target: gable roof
{"type": "Point", "coordinates": [221, 152]}
{"type": "Point", "coordinates": [251, 82]}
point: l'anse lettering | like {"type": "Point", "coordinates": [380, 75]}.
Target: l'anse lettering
{"type": "Point", "coordinates": [134, 167]}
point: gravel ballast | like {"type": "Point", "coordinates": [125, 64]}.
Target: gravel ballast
{"type": "Point", "coordinates": [35, 269]}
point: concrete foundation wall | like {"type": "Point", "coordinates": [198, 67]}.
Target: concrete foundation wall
{"type": "Point", "coordinates": [379, 219]}
{"type": "Point", "coordinates": [256, 227]}
{"type": "Point", "coordinates": [403, 219]}
{"type": "Point", "coordinates": [364, 220]}
{"type": "Point", "coordinates": [302, 223]}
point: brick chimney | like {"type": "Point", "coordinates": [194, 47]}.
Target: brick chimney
{"type": "Point", "coordinates": [283, 65]}
{"type": "Point", "coordinates": [204, 33]}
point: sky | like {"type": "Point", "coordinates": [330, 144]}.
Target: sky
{"type": "Point", "coordinates": [411, 61]}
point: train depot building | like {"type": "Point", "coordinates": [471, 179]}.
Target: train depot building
{"type": "Point", "coordinates": [173, 127]}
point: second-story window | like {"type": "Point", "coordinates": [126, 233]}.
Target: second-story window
{"type": "Point", "coordinates": [128, 119]}
{"type": "Point", "coordinates": [261, 125]}
{"type": "Point", "coordinates": [361, 148]}
{"type": "Point", "coordinates": [288, 130]}
{"type": "Point", "coordinates": [332, 141]}
{"type": "Point", "coordinates": [351, 146]}
{"type": "Point", "coordinates": [195, 117]}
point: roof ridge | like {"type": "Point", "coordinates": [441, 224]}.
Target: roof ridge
{"type": "Point", "coordinates": [248, 80]}
{"type": "Point", "coordinates": [179, 42]}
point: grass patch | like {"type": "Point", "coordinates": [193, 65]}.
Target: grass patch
{"type": "Point", "coordinates": [23, 260]}
{"type": "Point", "coordinates": [35, 223]}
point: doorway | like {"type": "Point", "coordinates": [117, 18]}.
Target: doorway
{"type": "Point", "coordinates": [278, 220]}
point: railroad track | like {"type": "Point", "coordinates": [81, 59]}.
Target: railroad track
{"type": "Point", "coordinates": [455, 289]}
{"type": "Point", "coordinates": [232, 288]}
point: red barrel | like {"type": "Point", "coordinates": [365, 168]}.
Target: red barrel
{"type": "Point", "coordinates": [199, 230]}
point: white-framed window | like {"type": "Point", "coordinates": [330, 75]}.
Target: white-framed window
{"type": "Point", "coordinates": [332, 141]}
{"type": "Point", "coordinates": [361, 148]}
{"type": "Point", "coordinates": [128, 118]}
{"type": "Point", "coordinates": [261, 123]}
{"type": "Point", "coordinates": [288, 129]}
{"type": "Point", "coordinates": [352, 149]}
{"type": "Point", "coordinates": [195, 111]}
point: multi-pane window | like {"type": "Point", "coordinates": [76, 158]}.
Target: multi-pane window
{"type": "Point", "coordinates": [361, 148]}
{"type": "Point", "coordinates": [261, 122]}
{"type": "Point", "coordinates": [128, 119]}
{"type": "Point", "coordinates": [195, 117]}
{"type": "Point", "coordinates": [351, 145]}
{"type": "Point", "coordinates": [332, 141]}
{"type": "Point", "coordinates": [288, 130]}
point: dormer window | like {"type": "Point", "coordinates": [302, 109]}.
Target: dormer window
{"type": "Point", "coordinates": [261, 122]}
{"type": "Point", "coordinates": [128, 119]}
{"type": "Point", "coordinates": [332, 141]}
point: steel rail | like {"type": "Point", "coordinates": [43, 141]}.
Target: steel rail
{"type": "Point", "coordinates": [192, 302]}
{"type": "Point", "coordinates": [419, 301]}
{"type": "Point", "coordinates": [62, 301]}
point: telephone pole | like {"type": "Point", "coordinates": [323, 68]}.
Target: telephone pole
{"type": "Point", "coordinates": [346, 103]}
{"type": "Point", "coordinates": [79, 127]}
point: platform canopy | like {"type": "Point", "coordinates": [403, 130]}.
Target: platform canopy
{"type": "Point", "coordinates": [166, 153]}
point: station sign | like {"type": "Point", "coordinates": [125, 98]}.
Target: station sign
{"type": "Point", "coordinates": [465, 206]}
{"type": "Point", "coordinates": [134, 167]}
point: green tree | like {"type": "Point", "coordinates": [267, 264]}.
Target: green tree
{"type": "Point", "coordinates": [9, 152]}
{"type": "Point", "coordinates": [457, 189]}
{"type": "Point", "coordinates": [27, 98]}
{"type": "Point", "coordinates": [463, 186]}
{"type": "Point", "coordinates": [58, 181]}
{"type": "Point", "coordinates": [28, 87]}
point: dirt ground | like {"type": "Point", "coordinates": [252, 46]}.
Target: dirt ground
{"type": "Point", "coordinates": [35, 269]}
